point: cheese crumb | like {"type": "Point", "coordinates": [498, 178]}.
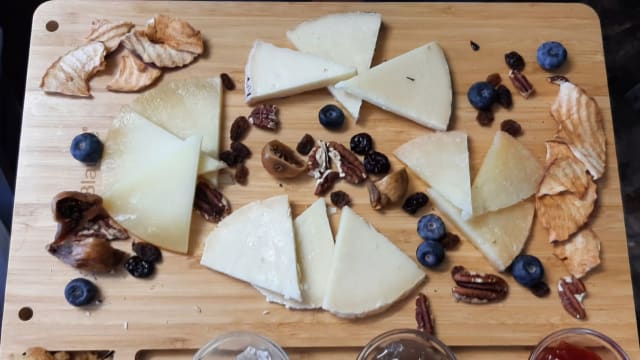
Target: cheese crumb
{"type": "Point", "coordinates": [126, 325]}
{"type": "Point", "coordinates": [266, 312]}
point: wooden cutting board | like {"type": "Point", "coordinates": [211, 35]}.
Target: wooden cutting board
{"type": "Point", "coordinates": [185, 305]}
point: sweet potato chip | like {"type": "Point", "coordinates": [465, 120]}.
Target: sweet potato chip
{"type": "Point", "coordinates": [176, 33]}
{"type": "Point", "coordinates": [564, 213]}
{"type": "Point", "coordinates": [70, 73]}
{"type": "Point", "coordinates": [109, 33]}
{"type": "Point", "coordinates": [580, 119]}
{"type": "Point", "coordinates": [565, 174]}
{"type": "Point", "coordinates": [133, 74]}
{"type": "Point", "coordinates": [161, 55]}
{"type": "Point", "coordinates": [579, 254]}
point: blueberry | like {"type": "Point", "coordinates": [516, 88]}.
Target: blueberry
{"type": "Point", "coordinates": [80, 292]}
{"type": "Point", "coordinates": [431, 227]}
{"type": "Point", "coordinates": [331, 116]}
{"type": "Point", "coordinates": [551, 55]}
{"type": "Point", "coordinates": [527, 270]}
{"type": "Point", "coordinates": [86, 148]}
{"type": "Point", "coordinates": [481, 95]}
{"type": "Point", "coordinates": [430, 253]}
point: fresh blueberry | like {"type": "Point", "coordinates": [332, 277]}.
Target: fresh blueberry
{"type": "Point", "coordinates": [481, 95]}
{"type": "Point", "coordinates": [86, 148]}
{"type": "Point", "coordinates": [430, 253]}
{"type": "Point", "coordinates": [527, 270]}
{"type": "Point", "coordinates": [80, 292]}
{"type": "Point", "coordinates": [551, 55]}
{"type": "Point", "coordinates": [331, 116]}
{"type": "Point", "coordinates": [431, 227]}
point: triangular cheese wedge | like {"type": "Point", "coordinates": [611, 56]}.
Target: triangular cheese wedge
{"type": "Point", "coordinates": [256, 244]}
{"type": "Point", "coordinates": [156, 202]}
{"type": "Point", "coordinates": [347, 39]}
{"type": "Point", "coordinates": [314, 245]}
{"type": "Point", "coordinates": [133, 140]}
{"type": "Point", "coordinates": [369, 273]}
{"type": "Point", "coordinates": [442, 160]}
{"type": "Point", "coordinates": [509, 174]}
{"type": "Point", "coordinates": [415, 85]}
{"type": "Point", "coordinates": [185, 108]}
{"type": "Point", "coordinates": [499, 235]}
{"type": "Point", "coordinates": [273, 72]}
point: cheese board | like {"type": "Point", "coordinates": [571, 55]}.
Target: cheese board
{"type": "Point", "coordinates": [186, 304]}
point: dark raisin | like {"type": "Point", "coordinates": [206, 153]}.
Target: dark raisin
{"type": "Point", "coordinates": [485, 117]}
{"type": "Point", "coordinates": [504, 97]}
{"type": "Point", "coordinates": [494, 79]}
{"type": "Point", "coordinates": [239, 128]}
{"type": "Point", "coordinates": [450, 241]}
{"type": "Point", "coordinates": [514, 61]}
{"type": "Point", "coordinates": [376, 163]}
{"type": "Point", "coordinates": [227, 81]}
{"type": "Point", "coordinates": [242, 174]}
{"type": "Point", "coordinates": [138, 267]}
{"type": "Point", "coordinates": [474, 45]}
{"type": "Point", "coordinates": [229, 158]}
{"type": "Point", "coordinates": [361, 143]}
{"type": "Point", "coordinates": [240, 150]}
{"type": "Point", "coordinates": [511, 127]}
{"type": "Point", "coordinates": [540, 289]}
{"type": "Point", "coordinates": [415, 202]}
{"type": "Point", "coordinates": [147, 251]}
{"type": "Point", "coordinates": [305, 144]}
{"type": "Point", "coordinates": [340, 198]}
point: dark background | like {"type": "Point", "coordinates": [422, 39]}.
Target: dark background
{"type": "Point", "coordinates": [620, 21]}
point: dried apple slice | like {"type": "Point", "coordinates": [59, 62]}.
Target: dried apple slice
{"type": "Point", "coordinates": [133, 74]}
{"type": "Point", "coordinates": [176, 33]}
{"type": "Point", "coordinates": [69, 74]}
{"type": "Point", "coordinates": [579, 254]}
{"type": "Point", "coordinates": [565, 174]}
{"type": "Point", "coordinates": [109, 33]}
{"type": "Point", "coordinates": [161, 55]}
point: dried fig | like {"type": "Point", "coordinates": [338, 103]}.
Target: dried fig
{"type": "Point", "coordinates": [281, 161]}
{"type": "Point", "coordinates": [389, 189]}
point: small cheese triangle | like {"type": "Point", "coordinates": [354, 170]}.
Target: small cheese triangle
{"type": "Point", "coordinates": [415, 85]}
{"type": "Point", "coordinates": [156, 202]}
{"type": "Point", "coordinates": [369, 273]}
{"type": "Point", "coordinates": [347, 39]}
{"type": "Point", "coordinates": [442, 160]}
{"type": "Point", "coordinates": [273, 72]}
{"type": "Point", "coordinates": [256, 244]}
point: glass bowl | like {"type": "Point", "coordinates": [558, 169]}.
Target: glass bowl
{"type": "Point", "coordinates": [405, 344]}
{"type": "Point", "coordinates": [228, 346]}
{"type": "Point", "coordinates": [590, 340]}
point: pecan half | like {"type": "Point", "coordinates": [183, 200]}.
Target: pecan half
{"type": "Point", "coordinates": [572, 293]}
{"type": "Point", "coordinates": [265, 116]}
{"type": "Point", "coordinates": [521, 83]}
{"type": "Point", "coordinates": [318, 161]}
{"type": "Point", "coordinates": [424, 316]}
{"type": "Point", "coordinates": [210, 202]}
{"type": "Point", "coordinates": [477, 288]}
{"type": "Point", "coordinates": [349, 166]}
{"type": "Point", "coordinates": [326, 182]}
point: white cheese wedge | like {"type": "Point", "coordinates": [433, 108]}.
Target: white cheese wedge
{"type": "Point", "coordinates": [499, 235]}
{"type": "Point", "coordinates": [442, 160]}
{"type": "Point", "coordinates": [156, 202]}
{"type": "Point", "coordinates": [185, 108]}
{"type": "Point", "coordinates": [415, 85]}
{"type": "Point", "coordinates": [509, 174]}
{"type": "Point", "coordinates": [369, 273]}
{"type": "Point", "coordinates": [256, 244]}
{"type": "Point", "coordinates": [133, 141]}
{"type": "Point", "coordinates": [347, 39]}
{"type": "Point", "coordinates": [314, 245]}
{"type": "Point", "coordinates": [273, 72]}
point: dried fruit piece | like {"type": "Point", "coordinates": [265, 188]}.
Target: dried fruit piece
{"type": "Point", "coordinates": [579, 254]}
{"type": "Point", "coordinates": [565, 174]}
{"type": "Point", "coordinates": [227, 82]}
{"type": "Point", "coordinates": [265, 116]}
{"type": "Point", "coordinates": [376, 163]}
{"type": "Point", "coordinates": [388, 190]}
{"type": "Point", "coordinates": [503, 97]}
{"type": "Point", "coordinates": [361, 143]}
{"type": "Point", "coordinates": [572, 293]}
{"type": "Point", "coordinates": [494, 79]}
{"type": "Point", "coordinates": [91, 254]}
{"type": "Point", "coordinates": [147, 251]}
{"type": "Point", "coordinates": [415, 202]}
{"type": "Point", "coordinates": [485, 117]}
{"type": "Point", "coordinates": [160, 55]}
{"type": "Point", "coordinates": [521, 83]}
{"type": "Point", "coordinates": [450, 241]}
{"type": "Point", "coordinates": [242, 174]}
{"type": "Point", "coordinates": [514, 61]}
{"type": "Point", "coordinates": [281, 161]}
{"type": "Point", "coordinates": [176, 33]}
{"type": "Point", "coordinates": [424, 316]}
{"type": "Point", "coordinates": [109, 33]}
{"type": "Point", "coordinates": [133, 74]}
{"type": "Point", "coordinates": [474, 46]}
{"type": "Point", "coordinates": [239, 128]}
{"type": "Point", "coordinates": [540, 289]}
{"type": "Point", "coordinates": [210, 202]}
{"type": "Point", "coordinates": [340, 198]}
{"type": "Point", "coordinates": [511, 127]}
{"type": "Point", "coordinates": [240, 150]}
{"type": "Point", "coordinates": [305, 145]}
{"type": "Point", "coordinates": [138, 267]}
{"type": "Point", "coordinates": [229, 158]}
{"type": "Point", "coordinates": [70, 74]}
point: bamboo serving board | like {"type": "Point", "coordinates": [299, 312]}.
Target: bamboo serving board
{"type": "Point", "coordinates": [186, 305]}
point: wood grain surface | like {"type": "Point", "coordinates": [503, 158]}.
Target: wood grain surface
{"type": "Point", "coordinates": [186, 305]}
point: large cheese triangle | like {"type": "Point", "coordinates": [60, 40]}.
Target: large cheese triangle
{"type": "Point", "coordinates": [273, 72]}
{"type": "Point", "coordinates": [156, 202]}
{"type": "Point", "coordinates": [185, 107]}
{"type": "Point", "coordinates": [509, 174]}
{"type": "Point", "coordinates": [256, 244]}
{"type": "Point", "coordinates": [499, 235]}
{"type": "Point", "coordinates": [133, 140]}
{"type": "Point", "coordinates": [314, 245]}
{"type": "Point", "coordinates": [347, 39]}
{"type": "Point", "coordinates": [416, 85]}
{"type": "Point", "coordinates": [369, 273]}
{"type": "Point", "coordinates": [442, 160]}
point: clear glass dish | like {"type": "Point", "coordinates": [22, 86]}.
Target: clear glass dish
{"type": "Point", "coordinates": [592, 340]}
{"type": "Point", "coordinates": [228, 346]}
{"type": "Point", "coordinates": [406, 344]}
